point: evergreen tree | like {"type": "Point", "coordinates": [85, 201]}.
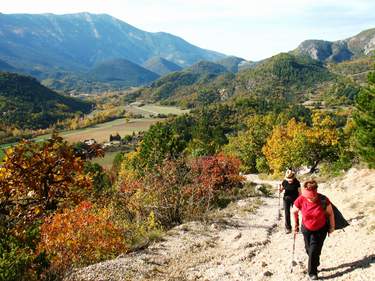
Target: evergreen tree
{"type": "Point", "coordinates": [364, 118]}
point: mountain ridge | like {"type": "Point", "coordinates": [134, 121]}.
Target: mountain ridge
{"type": "Point", "coordinates": [79, 41]}
{"type": "Point", "coordinates": [161, 66]}
{"type": "Point", "coordinates": [359, 45]}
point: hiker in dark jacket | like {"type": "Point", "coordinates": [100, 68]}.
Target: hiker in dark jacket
{"type": "Point", "coordinates": [292, 189]}
{"type": "Point", "coordinates": [314, 223]}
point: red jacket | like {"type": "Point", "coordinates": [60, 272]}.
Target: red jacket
{"type": "Point", "coordinates": [313, 214]}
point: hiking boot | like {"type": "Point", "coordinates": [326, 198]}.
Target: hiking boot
{"type": "Point", "coordinates": [313, 277]}
{"type": "Point", "coordinates": [287, 231]}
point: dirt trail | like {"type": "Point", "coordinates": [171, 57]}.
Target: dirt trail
{"type": "Point", "coordinates": [240, 244]}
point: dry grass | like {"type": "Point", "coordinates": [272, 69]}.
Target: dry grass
{"type": "Point", "coordinates": [101, 132]}
{"type": "Point", "coordinates": [152, 109]}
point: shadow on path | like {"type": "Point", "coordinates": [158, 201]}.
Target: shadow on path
{"type": "Point", "coordinates": [349, 267]}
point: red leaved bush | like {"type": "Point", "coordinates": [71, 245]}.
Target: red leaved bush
{"type": "Point", "coordinates": [80, 236]}
{"type": "Point", "coordinates": [217, 172]}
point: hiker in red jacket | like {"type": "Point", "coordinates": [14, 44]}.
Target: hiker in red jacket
{"type": "Point", "coordinates": [292, 189]}
{"type": "Point", "coordinates": [314, 223]}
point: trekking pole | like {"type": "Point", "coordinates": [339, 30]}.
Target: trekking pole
{"type": "Point", "coordinates": [279, 214]}
{"type": "Point", "coordinates": [294, 247]}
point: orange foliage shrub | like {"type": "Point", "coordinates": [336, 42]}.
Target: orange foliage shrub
{"type": "Point", "coordinates": [80, 237]}
{"type": "Point", "coordinates": [217, 172]}
{"type": "Point", "coordinates": [36, 179]}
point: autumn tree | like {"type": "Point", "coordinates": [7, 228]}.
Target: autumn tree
{"type": "Point", "coordinates": [322, 140]}
{"type": "Point", "coordinates": [179, 189]}
{"type": "Point", "coordinates": [286, 147]}
{"type": "Point", "coordinates": [296, 144]}
{"type": "Point", "coordinates": [80, 236]}
{"type": "Point", "coordinates": [36, 178]}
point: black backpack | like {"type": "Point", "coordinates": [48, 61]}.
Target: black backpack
{"type": "Point", "coordinates": [340, 221]}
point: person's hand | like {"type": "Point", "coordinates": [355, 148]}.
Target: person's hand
{"type": "Point", "coordinates": [296, 229]}
{"type": "Point", "coordinates": [330, 231]}
{"type": "Point", "coordinates": [280, 188]}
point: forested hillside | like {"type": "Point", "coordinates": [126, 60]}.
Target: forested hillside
{"type": "Point", "coordinates": [161, 66]}
{"type": "Point", "coordinates": [284, 77]}
{"type": "Point", "coordinates": [185, 86]}
{"type": "Point", "coordinates": [121, 72]}
{"type": "Point", "coordinates": [232, 64]}
{"type": "Point", "coordinates": [26, 104]}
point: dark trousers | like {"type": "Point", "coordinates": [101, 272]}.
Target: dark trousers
{"type": "Point", "coordinates": [288, 203]}
{"type": "Point", "coordinates": [313, 244]}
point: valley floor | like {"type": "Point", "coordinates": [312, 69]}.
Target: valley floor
{"type": "Point", "coordinates": [245, 242]}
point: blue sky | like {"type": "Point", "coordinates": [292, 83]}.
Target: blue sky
{"type": "Point", "coordinates": [250, 29]}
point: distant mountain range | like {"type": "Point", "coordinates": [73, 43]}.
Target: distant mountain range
{"type": "Point", "coordinates": [96, 52]}
{"type": "Point", "coordinates": [77, 42]}
{"type": "Point", "coordinates": [362, 44]}
{"type": "Point", "coordinates": [6, 67]}
{"type": "Point", "coordinates": [69, 48]}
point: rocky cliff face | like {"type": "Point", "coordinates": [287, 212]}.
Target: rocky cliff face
{"type": "Point", "coordinates": [359, 45]}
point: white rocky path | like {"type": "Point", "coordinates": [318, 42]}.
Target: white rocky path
{"type": "Point", "coordinates": [240, 244]}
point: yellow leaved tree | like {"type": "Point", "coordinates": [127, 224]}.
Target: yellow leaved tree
{"type": "Point", "coordinates": [296, 144]}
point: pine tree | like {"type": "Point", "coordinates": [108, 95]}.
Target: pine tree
{"type": "Point", "coordinates": [364, 118]}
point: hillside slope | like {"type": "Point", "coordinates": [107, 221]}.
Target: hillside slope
{"type": "Point", "coordinates": [161, 66]}
{"type": "Point", "coordinates": [232, 64]}
{"type": "Point", "coordinates": [122, 72]}
{"type": "Point", "coordinates": [25, 103]}
{"type": "Point", "coordinates": [283, 77]}
{"type": "Point", "coordinates": [6, 67]}
{"type": "Point", "coordinates": [237, 243]}
{"type": "Point", "coordinates": [185, 85]}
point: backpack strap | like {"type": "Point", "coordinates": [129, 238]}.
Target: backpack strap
{"type": "Point", "coordinates": [323, 202]}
